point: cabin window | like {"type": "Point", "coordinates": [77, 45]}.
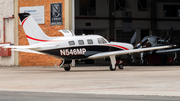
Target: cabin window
{"type": "Point", "coordinates": [71, 43]}
{"type": "Point", "coordinates": [81, 42]}
{"type": "Point", "coordinates": [90, 41]}
{"type": "Point", "coordinates": [101, 41]}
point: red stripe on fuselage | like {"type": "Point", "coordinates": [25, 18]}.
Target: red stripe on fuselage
{"type": "Point", "coordinates": [118, 46]}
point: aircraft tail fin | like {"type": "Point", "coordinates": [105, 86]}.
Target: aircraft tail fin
{"type": "Point", "coordinates": [32, 30]}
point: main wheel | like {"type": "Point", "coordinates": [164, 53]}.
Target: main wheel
{"type": "Point", "coordinates": [112, 69]}
{"type": "Point", "coordinates": [120, 66]}
{"type": "Point", "coordinates": [175, 61]}
{"type": "Point", "coordinates": [67, 68]}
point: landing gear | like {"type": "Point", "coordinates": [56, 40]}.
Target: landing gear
{"type": "Point", "coordinates": [67, 67]}
{"type": "Point", "coordinates": [118, 63]}
{"type": "Point", "coordinates": [175, 58]}
{"type": "Point", "coordinates": [120, 66]}
{"type": "Point", "coordinates": [111, 68]}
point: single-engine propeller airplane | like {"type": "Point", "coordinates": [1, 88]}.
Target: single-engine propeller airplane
{"type": "Point", "coordinates": [153, 41]}
{"type": "Point", "coordinates": [70, 47]}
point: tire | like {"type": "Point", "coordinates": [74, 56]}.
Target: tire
{"type": "Point", "coordinates": [112, 69]}
{"type": "Point", "coordinates": [176, 61]}
{"type": "Point", "coordinates": [141, 63]}
{"type": "Point", "coordinates": [120, 66]}
{"type": "Point", "coordinates": [67, 68]}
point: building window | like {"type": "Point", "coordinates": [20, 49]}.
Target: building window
{"type": "Point", "coordinates": [120, 4]}
{"type": "Point", "coordinates": [142, 5]}
{"type": "Point", "coordinates": [71, 43]}
{"type": "Point", "coordinates": [124, 36]}
{"type": "Point", "coordinates": [87, 7]}
{"type": "Point", "coordinates": [171, 10]}
{"type": "Point", "coordinates": [81, 42]}
{"type": "Point", "coordinates": [90, 41]}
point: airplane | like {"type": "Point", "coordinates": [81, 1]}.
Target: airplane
{"type": "Point", "coordinates": [71, 47]}
{"type": "Point", "coordinates": [152, 41]}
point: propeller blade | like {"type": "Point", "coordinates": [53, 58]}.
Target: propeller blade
{"type": "Point", "coordinates": [133, 39]}
{"type": "Point", "coordinates": [170, 35]}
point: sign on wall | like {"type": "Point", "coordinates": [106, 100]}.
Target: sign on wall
{"type": "Point", "coordinates": [37, 12]}
{"type": "Point", "coordinates": [56, 14]}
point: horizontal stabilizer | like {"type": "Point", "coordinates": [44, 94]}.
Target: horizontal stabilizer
{"type": "Point", "coordinates": [27, 50]}
{"type": "Point", "coordinates": [20, 47]}
{"type": "Point", "coordinates": [33, 47]}
{"type": "Point", "coordinates": [169, 50]}
{"type": "Point", "coordinates": [2, 45]}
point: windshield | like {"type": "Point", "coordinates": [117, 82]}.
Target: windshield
{"type": "Point", "coordinates": [101, 41]}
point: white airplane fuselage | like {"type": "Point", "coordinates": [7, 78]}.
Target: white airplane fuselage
{"type": "Point", "coordinates": [79, 47]}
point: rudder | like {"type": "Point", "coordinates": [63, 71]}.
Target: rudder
{"type": "Point", "coordinates": [32, 30]}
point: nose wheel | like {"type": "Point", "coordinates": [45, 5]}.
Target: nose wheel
{"type": "Point", "coordinates": [121, 66]}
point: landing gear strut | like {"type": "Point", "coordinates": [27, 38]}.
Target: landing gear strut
{"type": "Point", "coordinates": [111, 68]}
{"type": "Point", "coordinates": [120, 66]}
{"type": "Point", "coordinates": [115, 63]}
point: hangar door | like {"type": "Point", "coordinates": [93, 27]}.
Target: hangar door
{"type": "Point", "coordinates": [96, 17]}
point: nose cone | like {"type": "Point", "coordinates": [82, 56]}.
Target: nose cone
{"type": "Point", "coordinates": [130, 46]}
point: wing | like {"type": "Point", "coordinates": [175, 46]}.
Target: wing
{"type": "Point", "coordinates": [169, 50]}
{"type": "Point", "coordinates": [105, 54]}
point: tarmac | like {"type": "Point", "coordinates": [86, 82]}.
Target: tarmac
{"type": "Point", "coordinates": [132, 80]}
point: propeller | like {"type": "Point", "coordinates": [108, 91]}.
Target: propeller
{"type": "Point", "coordinates": [170, 35]}
{"type": "Point", "coordinates": [133, 39]}
{"type": "Point", "coordinates": [168, 41]}
{"type": "Point", "coordinates": [142, 43]}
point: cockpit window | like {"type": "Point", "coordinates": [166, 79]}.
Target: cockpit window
{"type": "Point", "coordinates": [81, 42]}
{"type": "Point", "coordinates": [71, 43]}
{"type": "Point", "coordinates": [90, 41]}
{"type": "Point", "coordinates": [101, 41]}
